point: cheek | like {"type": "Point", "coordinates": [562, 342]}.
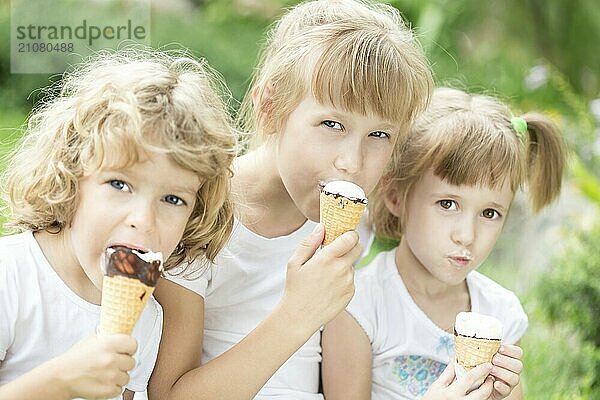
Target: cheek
{"type": "Point", "coordinates": [489, 238]}
{"type": "Point", "coordinates": [373, 169]}
{"type": "Point", "coordinates": [171, 232]}
{"type": "Point", "coordinates": [423, 229]}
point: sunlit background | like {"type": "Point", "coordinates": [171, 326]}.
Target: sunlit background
{"type": "Point", "coordinates": [533, 54]}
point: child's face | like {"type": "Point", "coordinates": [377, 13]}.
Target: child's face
{"type": "Point", "coordinates": [450, 230]}
{"type": "Point", "coordinates": [320, 143]}
{"type": "Point", "coordinates": [145, 206]}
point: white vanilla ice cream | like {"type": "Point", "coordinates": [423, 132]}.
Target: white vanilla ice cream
{"type": "Point", "coordinates": [150, 256]}
{"type": "Point", "coordinates": [477, 325]}
{"type": "Point", "coordinates": [347, 189]}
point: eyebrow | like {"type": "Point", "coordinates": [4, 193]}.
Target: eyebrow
{"type": "Point", "coordinates": [183, 189]}
{"type": "Point", "coordinates": [496, 205]}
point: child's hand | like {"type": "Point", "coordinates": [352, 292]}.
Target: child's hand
{"type": "Point", "coordinates": [320, 286]}
{"type": "Point", "coordinates": [446, 387]}
{"type": "Point", "coordinates": [96, 367]}
{"type": "Point", "coordinates": [507, 370]}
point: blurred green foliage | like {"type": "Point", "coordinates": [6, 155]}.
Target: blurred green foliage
{"type": "Point", "coordinates": [571, 296]}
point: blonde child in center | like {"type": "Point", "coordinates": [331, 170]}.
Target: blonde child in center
{"type": "Point", "coordinates": [445, 195]}
{"type": "Point", "coordinates": [337, 87]}
{"type": "Point", "coordinates": [135, 149]}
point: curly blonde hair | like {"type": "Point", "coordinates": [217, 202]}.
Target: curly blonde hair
{"type": "Point", "coordinates": [468, 139]}
{"type": "Point", "coordinates": [356, 55]}
{"type": "Point", "coordinates": [108, 111]}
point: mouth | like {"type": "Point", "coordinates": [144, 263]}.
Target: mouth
{"type": "Point", "coordinates": [139, 249]}
{"type": "Point", "coordinates": [460, 261]}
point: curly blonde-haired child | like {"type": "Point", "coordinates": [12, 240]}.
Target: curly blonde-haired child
{"type": "Point", "coordinates": [445, 195]}
{"type": "Point", "coordinates": [135, 149]}
{"type": "Point", "coordinates": [338, 84]}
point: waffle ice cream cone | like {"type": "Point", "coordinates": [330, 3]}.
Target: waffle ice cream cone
{"type": "Point", "coordinates": [477, 338]}
{"type": "Point", "coordinates": [342, 204]}
{"type": "Point", "coordinates": [129, 280]}
{"type": "Point", "coordinates": [470, 352]}
{"type": "Point", "coordinates": [123, 300]}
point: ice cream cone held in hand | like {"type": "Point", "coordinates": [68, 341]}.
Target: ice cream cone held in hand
{"type": "Point", "coordinates": [476, 339]}
{"type": "Point", "coordinates": [130, 277]}
{"type": "Point", "coordinates": [342, 204]}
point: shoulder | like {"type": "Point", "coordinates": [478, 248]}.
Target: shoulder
{"type": "Point", "coordinates": [15, 256]}
{"type": "Point", "coordinates": [13, 245]}
{"type": "Point", "coordinates": [372, 283]}
{"type": "Point", "coordinates": [495, 300]}
{"type": "Point", "coordinates": [374, 280]}
{"type": "Point", "coordinates": [379, 269]}
{"type": "Point", "coordinates": [15, 285]}
{"type": "Point", "coordinates": [491, 291]}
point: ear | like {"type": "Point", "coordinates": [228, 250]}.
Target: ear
{"type": "Point", "coordinates": [392, 200]}
{"type": "Point", "coordinates": [262, 100]}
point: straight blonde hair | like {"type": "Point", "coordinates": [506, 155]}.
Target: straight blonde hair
{"type": "Point", "coordinates": [352, 54]}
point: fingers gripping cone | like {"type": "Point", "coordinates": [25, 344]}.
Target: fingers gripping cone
{"type": "Point", "coordinates": [129, 280]}
{"type": "Point", "coordinates": [342, 204]}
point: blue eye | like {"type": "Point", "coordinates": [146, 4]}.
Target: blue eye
{"type": "Point", "coordinates": [380, 134]}
{"type": "Point", "coordinates": [448, 204]}
{"type": "Point", "coordinates": [174, 200]}
{"type": "Point", "coordinates": [119, 185]}
{"type": "Point", "coordinates": [332, 124]}
{"type": "Point", "coordinates": [490, 213]}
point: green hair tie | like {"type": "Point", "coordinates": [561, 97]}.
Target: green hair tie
{"type": "Point", "coordinates": [520, 125]}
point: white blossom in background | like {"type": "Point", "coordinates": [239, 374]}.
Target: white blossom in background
{"type": "Point", "coordinates": [595, 109]}
{"type": "Point", "coordinates": [537, 77]}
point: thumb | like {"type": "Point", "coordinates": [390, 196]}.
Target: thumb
{"type": "Point", "coordinates": [307, 247]}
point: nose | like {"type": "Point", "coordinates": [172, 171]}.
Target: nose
{"type": "Point", "coordinates": [463, 232]}
{"type": "Point", "coordinates": [142, 216]}
{"type": "Point", "coordinates": [350, 157]}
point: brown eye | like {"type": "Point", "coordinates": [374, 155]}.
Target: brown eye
{"type": "Point", "coordinates": [447, 204]}
{"type": "Point", "coordinates": [490, 213]}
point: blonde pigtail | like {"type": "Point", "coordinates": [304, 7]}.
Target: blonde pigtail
{"type": "Point", "coordinates": [546, 159]}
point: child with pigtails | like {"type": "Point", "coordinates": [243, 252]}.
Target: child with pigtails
{"type": "Point", "coordinates": [445, 196]}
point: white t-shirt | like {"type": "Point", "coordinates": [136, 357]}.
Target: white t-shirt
{"type": "Point", "coordinates": [242, 289]}
{"type": "Point", "coordinates": [41, 317]}
{"type": "Point", "coordinates": [409, 350]}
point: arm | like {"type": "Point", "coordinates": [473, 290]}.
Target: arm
{"type": "Point", "coordinates": [38, 383]}
{"type": "Point", "coordinates": [347, 360]}
{"type": "Point", "coordinates": [181, 341]}
{"type": "Point", "coordinates": [128, 395]}
{"type": "Point", "coordinates": [95, 367]}
{"type": "Point", "coordinates": [317, 289]}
